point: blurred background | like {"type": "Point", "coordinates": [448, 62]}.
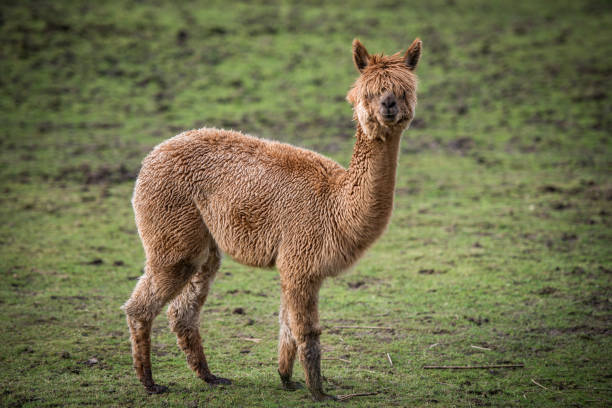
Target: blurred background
{"type": "Point", "coordinates": [500, 237]}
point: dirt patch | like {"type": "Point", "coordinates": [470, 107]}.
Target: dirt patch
{"type": "Point", "coordinates": [246, 292]}
{"type": "Point", "coordinates": [102, 175]}
{"type": "Point", "coordinates": [547, 290]}
{"type": "Point", "coordinates": [549, 188]}
{"type": "Point", "coordinates": [461, 109]}
{"type": "Point", "coordinates": [53, 297]}
{"type": "Point", "coordinates": [593, 95]}
{"type": "Point", "coordinates": [603, 269]}
{"type": "Point", "coordinates": [418, 123]}
{"type": "Point", "coordinates": [600, 301]}
{"type": "Point", "coordinates": [577, 270]}
{"type": "Point", "coordinates": [441, 331]}
{"type": "Point", "coordinates": [23, 400]}
{"type": "Point", "coordinates": [568, 237]}
{"type": "Point", "coordinates": [408, 191]}
{"type": "Point", "coordinates": [517, 144]}
{"type": "Point", "coordinates": [599, 193]}
{"type": "Point", "coordinates": [462, 144]}
{"type": "Point", "coordinates": [432, 271]}
{"type": "Point", "coordinates": [438, 45]}
{"type": "Point", "coordinates": [560, 206]}
{"type": "Point", "coordinates": [418, 144]}
{"type": "Point", "coordinates": [91, 362]}
{"type": "Point", "coordinates": [582, 329]}
{"type": "Point", "coordinates": [181, 37]}
{"type": "Point", "coordinates": [46, 126]}
{"type": "Point", "coordinates": [478, 321]}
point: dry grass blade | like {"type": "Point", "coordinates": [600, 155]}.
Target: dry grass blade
{"type": "Point", "coordinates": [480, 348]}
{"type": "Point", "coordinates": [540, 385]}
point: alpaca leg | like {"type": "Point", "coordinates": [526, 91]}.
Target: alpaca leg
{"type": "Point", "coordinates": [184, 318]}
{"type": "Point", "coordinates": [287, 349]}
{"type": "Point", "coordinates": [302, 306]}
{"type": "Point", "coordinates": [154, 289]}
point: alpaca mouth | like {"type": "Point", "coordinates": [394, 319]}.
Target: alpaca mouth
{"type": "Point", "coordinates": [389, 119]}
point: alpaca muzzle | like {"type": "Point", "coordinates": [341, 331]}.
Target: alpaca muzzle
{"type": "Point", "coordinates": [388, 108]}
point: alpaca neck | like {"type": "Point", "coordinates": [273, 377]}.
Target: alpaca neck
{"type": "Point", "coordinates": [367, 189]}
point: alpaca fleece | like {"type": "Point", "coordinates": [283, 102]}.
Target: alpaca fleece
{"type": "Point", "coordinates": [266, 204]}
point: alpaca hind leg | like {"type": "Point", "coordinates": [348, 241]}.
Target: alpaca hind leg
{"type": "Point", "coordinates": [154, 289]}
{"type": "Point", "coordinates": [287, 350]}
{"type": "Point", "coordinates": [184, 316]}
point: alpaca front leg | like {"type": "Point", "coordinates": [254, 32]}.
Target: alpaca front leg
{"type": "Point", "coordinates": [287, 350]}
{"type": "Point", "coordinates": [309, 351]}
{"type": "Point", "coordinates": [303, 322]}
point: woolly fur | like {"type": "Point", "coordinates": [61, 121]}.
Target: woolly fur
{"type": "Point", "coordinates": [264, 203]}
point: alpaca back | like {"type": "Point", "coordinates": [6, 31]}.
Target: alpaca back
{"type": "Point", "coordinates": [253, 195]}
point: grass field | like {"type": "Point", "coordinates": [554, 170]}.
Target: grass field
{"type": "Point", "coordinates": [499, 249]}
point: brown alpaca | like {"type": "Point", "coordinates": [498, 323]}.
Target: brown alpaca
{"type": "Point", "coordinates": [266, 204]}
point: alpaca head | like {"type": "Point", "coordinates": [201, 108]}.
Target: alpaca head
{"type": "Point", "coordinates": [384, 95]}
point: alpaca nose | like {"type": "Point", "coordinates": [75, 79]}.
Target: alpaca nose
{"type": "Point", "coordinates": [389, 102]}
{"type": "Point", "coordinates": [388, 106]}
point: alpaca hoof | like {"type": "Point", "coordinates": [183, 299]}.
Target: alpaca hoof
{"type": "Point", "coordinates": [156, 389]}
{"type": "Point", "coordinates": [292, 385]}
{"type": "Point", "coordinates": [214, 380]}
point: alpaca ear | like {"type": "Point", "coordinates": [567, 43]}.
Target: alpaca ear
{"type": "Point", "coordinates": [413, 54]}
{"type": "Point", "coordinates": [360, 55]}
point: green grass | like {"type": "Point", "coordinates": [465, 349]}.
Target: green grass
{"type": "Point", "coordinates": [500, 237]}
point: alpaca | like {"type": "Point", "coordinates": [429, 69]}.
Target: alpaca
{"type": "Point", "coordinates": [265, 204]}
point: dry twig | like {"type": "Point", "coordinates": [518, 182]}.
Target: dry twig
{"type": "Point", "coordinates": [365, 327]}
{"type": "Point", "coordinates": [389, 358]}
{"type": "Point", "coordinates": [359, 394]}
